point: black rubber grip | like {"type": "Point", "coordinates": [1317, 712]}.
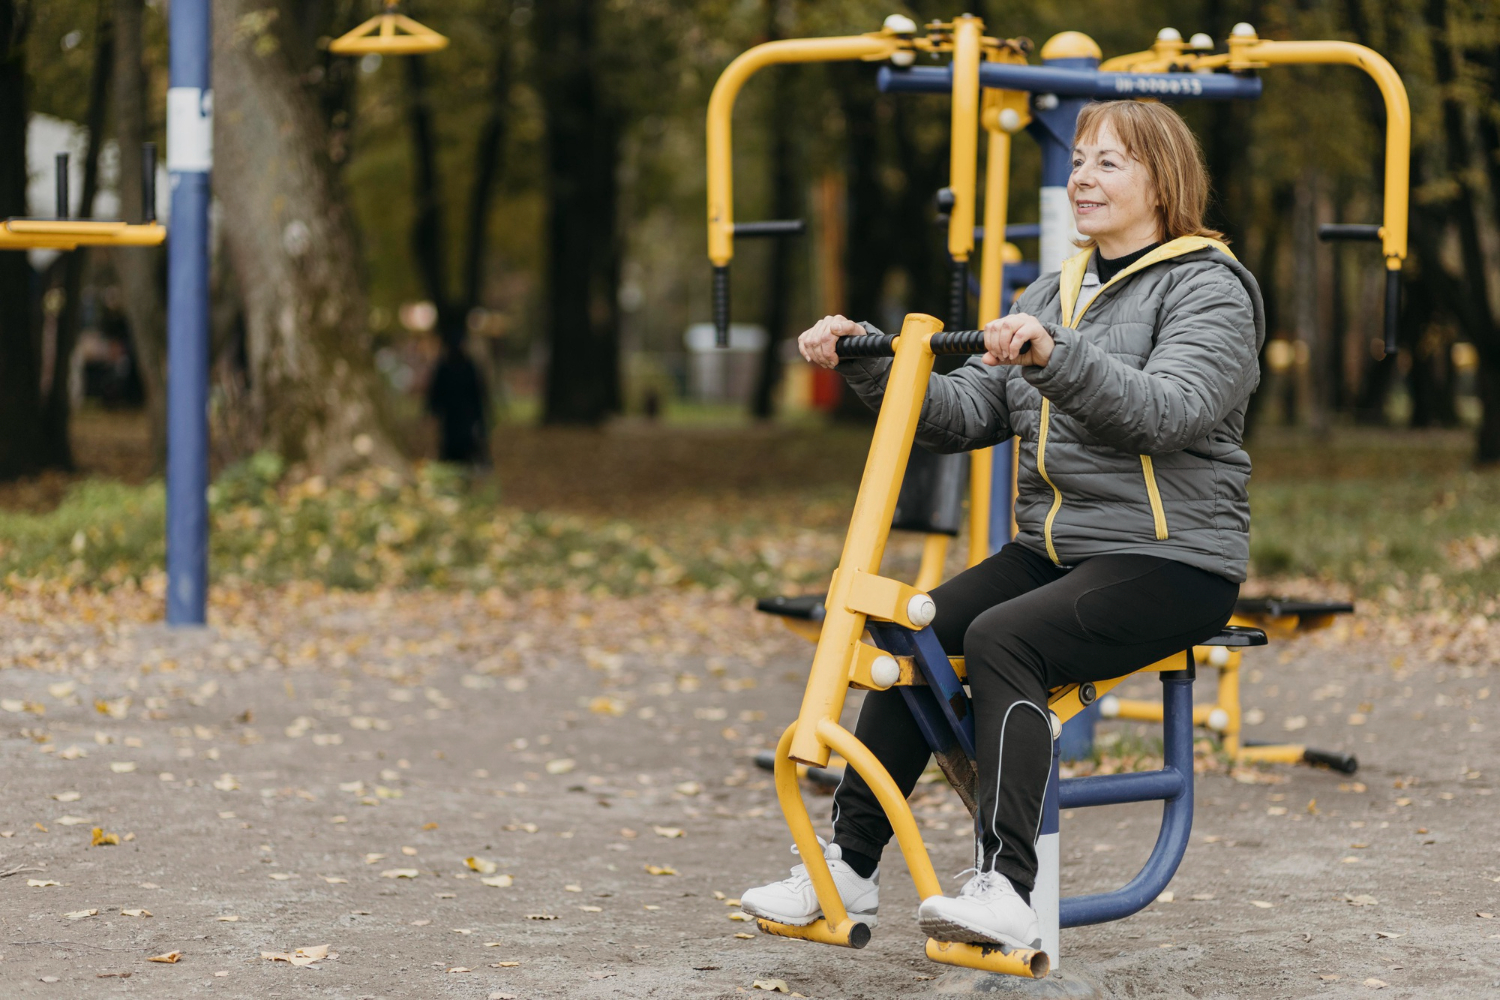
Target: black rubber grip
{"type": "Point", "coordinates": [958, 295]}
{"type": "Point", "coordinates": [62, 185]}
{"type": "Point", "coordinates": [866, 345]}
{"type": "Point", "coordinates": [721, 306]}
{"type": "Point", "coordinates": [148, 182]}
{"type": "Point", "coordinates": [770, 227]}
{"type": "Point", "coordinates": [883, 345]}
{"type": "Point", "coordinates": [1392, 310]}
{"type": "Point", "coordinates": [1348, 231]}
{"type": "Point", "coordinates": [1344, 763]}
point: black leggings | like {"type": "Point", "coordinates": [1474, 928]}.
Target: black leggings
{"type": "Point", "coordinates": [1025, 626]}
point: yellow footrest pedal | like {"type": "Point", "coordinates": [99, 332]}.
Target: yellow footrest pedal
{"type": "Point", "coordinates": [849, 934]}
{"type": "Point", "coordinates": [1021, 962]}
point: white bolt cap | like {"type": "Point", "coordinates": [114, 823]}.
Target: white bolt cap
{"type": "Point", "coordinates": [1202, 40]}
{"type": "Point", "coordinates": [1010, 120]}
{"type": "Point", "coordinates": [921, 610]}
{"type": "Point", "coordinates": [1056, 725]}
{"type": "Point", "coordinates": [1218, 656]}
{"type": "Point", "coordinates": [1218, 720]}
{"type": "Point", "coordinates": [1242, 30]}
{"type": "Point", "coordinates": [1169, 35]}
{"type": "Point", "coordinates": [903, 57]}
{"type": "Point", "coordinates": [884, 672]}
{"type": "Point", "coordinates": [1046, 102]}
{"type": "Point", "coordinates": [900, 24]}
{"type": "Point", "coordinates": [1109, 707]}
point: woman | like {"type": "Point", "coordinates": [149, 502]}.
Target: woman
{"type": "Point", "coordinates": [1125, 376]}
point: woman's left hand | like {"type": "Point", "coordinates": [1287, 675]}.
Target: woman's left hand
{"type": "Point", "coordinates": [1006, 339]}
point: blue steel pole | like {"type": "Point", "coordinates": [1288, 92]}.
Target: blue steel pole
{"type": "Point", "coordinates": [189, 162]}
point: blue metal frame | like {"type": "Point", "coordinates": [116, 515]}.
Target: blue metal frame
{"type": "Point", "coordinates": [1065, 81]}
{"type": "Point", "coordinates": [942, 714]}
{"type": "Point", "coordinates": [188, 164]}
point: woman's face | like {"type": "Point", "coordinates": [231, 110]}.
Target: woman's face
{"type": "Point", "coordinates": [1114, 201]}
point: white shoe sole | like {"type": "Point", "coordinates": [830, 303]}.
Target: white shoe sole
{"type": "Point", "coordinates": [942, 928]}
{"type": "Point", "coordinates": [868, 919]}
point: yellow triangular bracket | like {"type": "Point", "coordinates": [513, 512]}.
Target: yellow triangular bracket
{"type": "Point", "coordinates": [389, 35]}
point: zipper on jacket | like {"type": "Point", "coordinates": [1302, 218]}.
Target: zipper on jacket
{"type": "Point", "coordinates": [1174, 248]}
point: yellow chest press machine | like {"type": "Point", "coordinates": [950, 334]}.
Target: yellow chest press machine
{"type": "Point", "coordinates": [873, 632]}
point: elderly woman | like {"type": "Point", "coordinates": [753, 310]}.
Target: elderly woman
{"type": "Point", "coordinates": [1125, 376]}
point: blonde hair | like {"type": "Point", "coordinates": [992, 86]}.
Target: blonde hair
{"type": "Point", "coordinates": [1157, 136]}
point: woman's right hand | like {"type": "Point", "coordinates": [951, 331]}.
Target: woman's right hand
{"type": "Point", "coordinates": [819, 344]}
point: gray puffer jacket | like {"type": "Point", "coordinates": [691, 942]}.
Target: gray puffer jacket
{"type": "Point", "coordinates": [1130, 437]}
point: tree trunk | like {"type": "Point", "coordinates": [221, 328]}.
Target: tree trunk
{"type": "Point", "coordinates": [1470, 299]}
{"type": "Point", "coordinates": [785, 204]}
{"type": "Point", "coordinates": [56, 449]}
{"type": "Point", "coordinates": [315, 394]}
{"type": "Point", "coordinates": [582, 151]}
{"type": "Point", "coordinates": [20, 368]}
{"type": "Point", "coordinates": [140, 269]}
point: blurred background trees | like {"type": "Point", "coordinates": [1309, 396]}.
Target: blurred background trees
{"type": "Point", "coordinates": [512, 228]}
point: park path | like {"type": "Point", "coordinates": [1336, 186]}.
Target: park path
{"type": "Point", "coordinates": [316, 769]}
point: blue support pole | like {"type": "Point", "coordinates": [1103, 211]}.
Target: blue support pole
{"type": "Point", "coordinates": [189, 163]}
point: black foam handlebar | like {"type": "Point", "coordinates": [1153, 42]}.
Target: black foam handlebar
{"type": "Point", "coordinates": [62, 185]}
{"type": "Point", "coordinates": [1371, 234]}
{"type": "Point", "coordinates": [721, 305]}
{"type": "Point", "coordinates": [148, 182]}
{"type": "Point", "coordinates": [770, 227]}
{"type": "Point", "coordinates": [883, 345]}
{"type": "Point", "coordinates": [1348, 231]}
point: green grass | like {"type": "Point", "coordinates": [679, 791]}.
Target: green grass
{"type": "Point", "coordinates": [1390, 518]}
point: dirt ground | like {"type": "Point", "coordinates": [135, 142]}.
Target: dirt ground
{"type": "Point", "coordinates": [274, 780]}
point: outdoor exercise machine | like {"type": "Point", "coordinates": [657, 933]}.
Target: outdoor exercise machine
{"type": "Point", "coordinates": [991, 84]}
{"type": "Point", "coordinates": [903, 652]}
{"type": "Point", "coordinates": [190, 125]}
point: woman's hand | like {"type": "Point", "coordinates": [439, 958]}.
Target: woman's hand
{"type": "Point", "coordinates": [819, 345]}
{"type": "Point", "coordinates": [1007, 338]}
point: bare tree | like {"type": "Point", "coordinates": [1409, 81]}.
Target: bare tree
{"type": "Point", "coordinates": [314, 390]}
{"type": "Point", "coordinates": [20, 394]}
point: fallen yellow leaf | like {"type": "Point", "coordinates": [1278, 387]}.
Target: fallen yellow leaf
{"type": "Point", "coordinates": [661, 870]}
{"type": "Point", "coordinates": [122, 766]}
{"type": "Point", "coordinates": [400, 873]}
{"type": "Point", "coordinates": [482, 866]}
{"type": "Point", "coordinates": [80, 914]}
{"type": "Point", "coordinates": [135, 913]}
{"type": "Point", "coordinates": [301, 956]}
{"type": "Point", "coordinates": [41, 883]}
{"type": "Point", "coordinates": [101, 838]}
{"type": "Point", "coordinates": [170, 958]}
{"type": "Point", "coordinates": [669, 832]}
{"type": "Point", "coordinates": [773, 985]}
{"type": "Point", "coordinates": [498, 881]}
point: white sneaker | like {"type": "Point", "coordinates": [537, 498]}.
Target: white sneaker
{"type": "Point", "coordinates": [986, 911]}
{"type": "Point", "coordinates": [793, 900]}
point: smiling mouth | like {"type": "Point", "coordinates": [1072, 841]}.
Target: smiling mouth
{"type": "Point", "coordinates": [1083, 205]}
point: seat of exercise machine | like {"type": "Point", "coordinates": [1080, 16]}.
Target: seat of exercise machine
{"type": "Point", "coordinates": [1278, 607]}
{"type": "Point", "coordinates": [809, 607]}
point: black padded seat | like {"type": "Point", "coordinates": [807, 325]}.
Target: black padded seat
{"type": "Point", "coordinates": [1237, 635]}
{"type": "Point", "coordinates": [1277, 607]}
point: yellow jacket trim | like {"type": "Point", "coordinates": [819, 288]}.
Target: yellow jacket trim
{"type": "Point", "coordinates": [1069, 286]}
{"type": "Point", "coordinates": [1041, 466]}
{"type": "Point", "coordinates": [1158, 513]}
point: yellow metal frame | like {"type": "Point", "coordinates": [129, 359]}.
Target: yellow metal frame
{"type": "Point", "coordinates": [70, 234]}
{"type": "Point", "coordinates": [1247, 51]}
{"type": "Point", "coordinates": [388, 34]}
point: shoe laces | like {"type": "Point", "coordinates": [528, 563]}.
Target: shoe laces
{"type": "Point", "coordinates": [982, 882]}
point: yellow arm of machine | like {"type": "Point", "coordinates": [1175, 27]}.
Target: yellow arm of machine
{"type": "Point", "coordinates": [872, 47]}
{"type": "Point", "coordinates": [69, 234]}
{"type": "Point", "coordinates": [1247, 51]}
